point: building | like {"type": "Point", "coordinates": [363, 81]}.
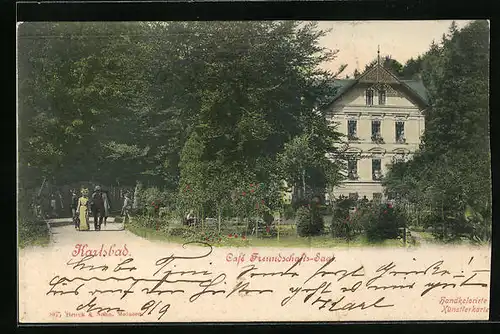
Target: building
{"type": "Point", "coordinates": [383, 119]}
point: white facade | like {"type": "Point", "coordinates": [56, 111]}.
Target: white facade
{"type": "Point", "coordinates": [394, 114]}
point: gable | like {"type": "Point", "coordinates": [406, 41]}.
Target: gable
{"type": "Point", "coordinates": [352, 91]}
{"type": "Point", "coordinates": [396, 96]}
{"type": "Point", "coordinates": [378, 74]}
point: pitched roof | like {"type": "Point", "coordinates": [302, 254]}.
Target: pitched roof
{"type": "Point", "coordinates": [415, 86]}
{"type": "Point", "coordinates": [418, 87]}
{"type": "Point", "coordinates": [343, 86]}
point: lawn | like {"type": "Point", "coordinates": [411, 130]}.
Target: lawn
{"type": "Point", "coordinates": [324, 241]}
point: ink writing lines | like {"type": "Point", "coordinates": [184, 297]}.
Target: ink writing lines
{"type": "Point", "coordinates": [122, 287]}
{"type": "Point", "coordinates": [335, 288]}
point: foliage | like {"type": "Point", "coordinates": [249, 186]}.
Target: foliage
{"type": "Point", "coordinates": [203, 105]}
{"type": "Point", "coordinates": [31, 229]}
{"type": "Point", "coordinates": [451, 172]}
{"type": "Point", "coordinates": [153, 199]}
{"type": "Point", "coordinates": [346, 224]}
{"type": "Point", "coordinates": [32, 233]}
{"type": "Point", "coordinates": [309, 221]}
{"type": "Point", "coordinates": [394, 66]}
{"type": "Point", "coordinates": [289, 212]}
{"type": "Point", "coordinates": [383, 222]}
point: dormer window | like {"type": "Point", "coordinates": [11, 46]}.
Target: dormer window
{"type": "Point", "coordinates": [381, 97]}
{"type": "Point", "coordinates": [369, 97]}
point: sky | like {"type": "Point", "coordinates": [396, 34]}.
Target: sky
{"type": "Point", "coordinates": [357, 41]}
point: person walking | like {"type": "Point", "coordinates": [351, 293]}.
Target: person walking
{"type": "Point", "coordinates": [53, 209]}
{"type": "Point", "coordinates": [97, 207]}
{"type": "Point", "coordinates": [107, 205]}
{"type": "Point", "coordinates": [127, 205]}
{"type": "Point", "coordinates": [83, 211]}
{"type": "Point", "coordinates": [74, 207]}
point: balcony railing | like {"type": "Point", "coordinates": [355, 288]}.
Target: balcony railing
{"type": "Point", "coordinates": [400, 140]}
{"type": "Point", "coordinates": [352, 137]}
{"type": "Point", "coordinates": [377, 138]}
{"type": "Point", "coordinates": [353, 176]}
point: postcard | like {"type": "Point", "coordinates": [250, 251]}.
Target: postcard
{"type": "Point", "coordinates": [253, 171]}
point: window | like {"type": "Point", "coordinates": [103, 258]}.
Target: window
{"type": "Point", "coordinates": [377, 197]}
{"type": "Point", "coordinates": [376, 136]}
{"type": "Point", "coordinates": [375, 127]}
{"type": "Point", "coordinates": [400, 132]}
{"type": "Point", "coordinates": [352, 169]}
{"type": "Point", "coordinates": [351, 129]}
{"type": "Point", "coordinates": [369, 97]}
{"type": "Point", "coordinates": [381, 97]}
{"type": "Point", "coordinates": [376, 173]}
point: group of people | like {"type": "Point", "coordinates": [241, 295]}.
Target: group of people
{"type": "Point", "coordinates": [98, 205]}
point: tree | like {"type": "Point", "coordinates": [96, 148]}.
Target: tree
{"type": "Point", "coordinates": [387, 62]}
{"type": "Point", "coordinates": [452, 169]}
{"type": "Point", "coordinates": [209, 105]}
{"type": "Point", "coordinates": [73, 89]}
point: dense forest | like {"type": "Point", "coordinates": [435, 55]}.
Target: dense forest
{"type": "Point", "coordinates": [451, 174]}
{"type": "Point", "coordinates": [206, 106]}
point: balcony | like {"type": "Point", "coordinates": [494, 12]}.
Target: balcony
{"type": "Point", "coordinates": [377, 138]}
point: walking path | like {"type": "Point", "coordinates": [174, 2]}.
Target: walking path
{"type": "Point", "coordinates": [64, 233]}
{"type": "Point", "coordinates": [421, 241]}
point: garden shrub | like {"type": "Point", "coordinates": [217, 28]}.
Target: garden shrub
{"type": "Point", "coordinates": [148, 221]}
{"type": "Point", "coordinates": [267, 217]}
{"type": "Point", "coordinates": [479, 223]}
{"type": "Point", "coordinates": [152, 199]}
{"type": "Point", "coordinates": [31, 232]}
{"type": "Point", "coordinates": [289, 212]}
{"type": "Point", "coordinates": [383, 222]}
{"type": "Point", "coordinates": [309, 221]}
{"type": "Point", "coordinates": [346, 224]}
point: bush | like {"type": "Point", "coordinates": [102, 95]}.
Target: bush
{"type": "Point", "coordinates": [148, 221]}
{"type": "Point", "coordinates": [346, 224]}
{"type": "Point", "coordinates": [267, 217]}
{"type": "Point", "coordinates": [31, 232]}
{"type": "Point", "coordinates": [309, 221]}
{"type": "Point", "coordinates": [152, 199]}
{"type": "Point", "coordinates": [31, 229]}
{"type": "Point", "coordinates": [266, 228]}
{"type": "Point", "coordinates": [383, 222]}
{"type": "Point", "coordinates": [289, 212]}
